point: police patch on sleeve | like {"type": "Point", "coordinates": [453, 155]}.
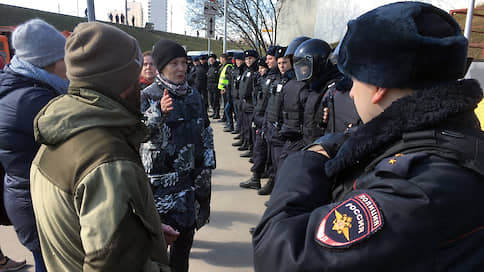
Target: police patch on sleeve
{"type": "Point", "coordinates": [350, 222]}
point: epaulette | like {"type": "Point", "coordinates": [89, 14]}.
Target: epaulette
{"type": "Point", "coordinates": [399, 164]}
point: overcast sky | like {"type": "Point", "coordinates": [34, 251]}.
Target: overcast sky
{"type": "Point", "coordinates": [102, 8]}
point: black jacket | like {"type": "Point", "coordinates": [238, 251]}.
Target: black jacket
{"type": "Point", "coordinates": [213, 74]}
{"type": "Point", "coordinates": [200, 83]}
{"type": "Point", "coordinates": [402, 194]}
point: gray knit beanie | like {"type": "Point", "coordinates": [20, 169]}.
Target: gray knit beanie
{"type": "Point", "coordinates": [38, 43]}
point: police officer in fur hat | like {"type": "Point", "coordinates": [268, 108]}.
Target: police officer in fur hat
{"type": "Point", "coordinates": [400, 193]}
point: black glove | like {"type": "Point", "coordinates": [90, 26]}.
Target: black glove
{"type": "Point", "coordinates": [333, 141]}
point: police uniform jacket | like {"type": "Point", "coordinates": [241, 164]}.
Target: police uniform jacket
{"type": "Point", "coordinates": [200, 83]}
{"type": "Point", "coordinates": [403, 193]}
{"type": "Point", "coordinates": [212, 77]}
{"type": "Point", "coordinates": [263, 91]}
{"type": "Point", "coordinates": [246, 87]}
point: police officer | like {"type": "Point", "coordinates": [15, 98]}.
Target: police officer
{"type": "Point", "coordinates": [294, 98]}
{"type": "Point", "coordinates": [273, 117]}
{"type": "Point", "coordinates": [224, 88]}
{"type": "Point", "coordinates": [200, 83]}
{"type": "Point", "coordinates": [246, 90]}
{"type": "Point", "coordinates": [212, 85]}
{"type": "Point", "coordinates": [234, 92]}
{"type": "Point", "coordinates": [192, 72]}
{"type": "Point", "coordinates": [400, 193]}
{"type": "Point", "coordinates": [261, 163]}
{"type": "Point", "coordinates": [312, 64]}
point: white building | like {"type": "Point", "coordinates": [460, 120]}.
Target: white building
{"type": "Point", "coordinates": [135, 9]}
{"type": "Point", "coordinates": [327, 20]}
{"type": "Point", "coordinates": [158, 14]}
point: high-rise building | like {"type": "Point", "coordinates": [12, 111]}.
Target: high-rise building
{"type": "Point", "coordinates": [158, 14]}
{"type": "Point", "coordinates": [135, 9]}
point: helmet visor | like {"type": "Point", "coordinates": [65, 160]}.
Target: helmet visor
{"type": "Point", "coordinates": [303, 66]}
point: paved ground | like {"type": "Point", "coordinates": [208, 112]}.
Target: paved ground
{"type": "Point", "coordinates": [222, 245]}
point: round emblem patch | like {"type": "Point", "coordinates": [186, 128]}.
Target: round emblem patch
{"type": "Point", "coordinates": [350, 222]}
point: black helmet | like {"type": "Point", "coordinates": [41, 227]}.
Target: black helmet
{"type": "Point", "coordinates": [294, 45]}
{"type": "Point", "coordinates": [311, 59]}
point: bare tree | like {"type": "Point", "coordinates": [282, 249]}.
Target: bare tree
{"type": "Point", "coordinates": [252, 21]}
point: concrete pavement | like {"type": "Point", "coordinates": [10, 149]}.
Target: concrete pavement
{"type": "Point", "coordinates": [225, 243]}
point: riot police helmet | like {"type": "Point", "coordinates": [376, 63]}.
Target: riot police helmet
{"type": "Point", "coordinates": [294, 45]}
{"type": "Point", "coordinates": [311, 59]}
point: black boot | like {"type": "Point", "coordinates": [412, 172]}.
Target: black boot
{"type": "Point", "coordinates": [252, 183]}
{"type": "Point", "coordinates": [237, 137]}
{"type": "Point", "coordinates": [238, 143]}
{"type": "Point", "coordinates": [247, 154]}
{"type": "Point", "coordinates": [251, 160]}
{"type": "Point", "coordinates": [216, 115]}
{"type": "Point", "coordinates": [236, 131]}
{"type": "Point", "coordinates": [267, 189]}
{"type": "Point", "coordinates": [243, 147]}
{"type": "Point", "coordinates": [228, 129]}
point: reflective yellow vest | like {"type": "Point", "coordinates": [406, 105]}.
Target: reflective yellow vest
{"type": "Point", "coordinates": [223, 81]}
{"type": "Point", "coordinates": [480, 113]}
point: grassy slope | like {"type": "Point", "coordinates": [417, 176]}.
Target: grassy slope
{"type": "Point", "coordinates": [10, 15]}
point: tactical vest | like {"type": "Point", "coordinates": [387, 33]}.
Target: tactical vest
{"type": "Point", "coordinates": [212, 76]}
{"type": "Point", "coordinates": [247, 84]}
{"type": "Point", "coordinates": [264, 92]}
{"type": "Point", "coordinates": [293, 106]}
{"type": "Point", "coordinates": [274, 104]}
{"type": "Point", "coordinates": [236, 77]}
{"type": "Point", "coordinates": [341, 110]}
{"type": "Point", "coordinates": [313, 127]}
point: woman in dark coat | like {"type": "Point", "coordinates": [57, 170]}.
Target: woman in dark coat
{"type": "Point", "coordinates": [35, 75]}
{"type": "Point", "coordinates": [179, 155]}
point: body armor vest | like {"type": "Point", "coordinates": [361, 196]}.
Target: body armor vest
{"type": "Point", "coordinates": [295, 94]}
{"type": "Point", "coordinates": [263, 93]}
{"type": "Point", "coordinates": [236, 77]}
{"type": "Point", "coordinates": [247, 84]}
{"type": "Point", "coordinates": [274, 104]}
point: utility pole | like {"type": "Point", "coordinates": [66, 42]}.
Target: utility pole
{"type": "Point", "coordinates": [470, 13]}
{"type": "Point", "coordinates": [91, 16]}
{"type": "Point", "coordinates": [225, 26]}
{"type": "Point", "coordinates": [126, 11]}
{"type": "Point", "coordinates": [77, 8]}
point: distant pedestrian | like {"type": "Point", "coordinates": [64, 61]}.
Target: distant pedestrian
{"type": "Point", "coordinates": [36, 75]}
{"type": "Point", "coordinates": [122, 19]}
{"type": "Point", "coordinates": [110, 17]}
{"type": "Point", "coordinates": [85, 12]}
{"type": "Point", "coordinates": [132, 21]}
{"type": "Point", "coordinates": [117, 19]}
{"type": "Point", "coordinates": [198, 34]}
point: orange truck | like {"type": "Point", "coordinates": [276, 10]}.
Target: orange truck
{"type": "Point", "coordinates": [6, 49]}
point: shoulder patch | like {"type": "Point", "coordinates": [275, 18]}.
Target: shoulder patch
{"type": "Point", "coordinates": [350, 222]}
{"type": "Point", "coordinates": [399, 164]}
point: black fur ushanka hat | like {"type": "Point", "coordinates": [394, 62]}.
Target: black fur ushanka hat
{"type": "Point", "coordinates": [403, 45]}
